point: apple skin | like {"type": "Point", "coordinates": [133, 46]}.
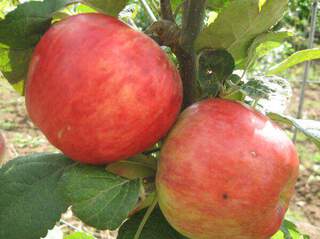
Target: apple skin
{"type": "Point", "coordinates": [226, 171]}
{"type": "Point", "coordinates": [101, 91]}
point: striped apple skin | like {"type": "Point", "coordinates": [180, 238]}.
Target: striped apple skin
{"type": "Point", "coordinates": [101, 91]}
{"type": "Point", "coordinates": [226, 171]}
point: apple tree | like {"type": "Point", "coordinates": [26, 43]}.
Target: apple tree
{"type": "Point", "coordinates": [106, 80]}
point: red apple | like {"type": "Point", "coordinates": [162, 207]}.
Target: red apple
{"type": "Point", "coordinates": [226, 172]}
{"type": "Point", "coordinates": [101, 91]}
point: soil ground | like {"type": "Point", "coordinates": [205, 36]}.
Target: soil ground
{"type": "Point", "coordinates": [24, 138]}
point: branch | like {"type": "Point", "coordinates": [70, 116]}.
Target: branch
{"type": "Point", "coordinates": [192, 21]}
{"type": "Point", "coordinates": [165, 32]}
{"type": "Point", "coordinates": [166, 11]}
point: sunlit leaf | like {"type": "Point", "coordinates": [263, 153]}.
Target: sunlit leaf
{"type": "Point", "coordinates": [296, 58]}
{"type": "Point", "coordinates": [20, 31]}
{"type": "Point", "coordinates": [238, 24]}
{"type": "Point", "coordinates": [110, 7]}
{"type": "Point", "coordinates": [274, 93]}
{"type": "Point", "coordinates": [310, 128]}
{"type": "Point", "coordinates": [79, 235]}
{"type": "Point", "coordinates": [264, 43]}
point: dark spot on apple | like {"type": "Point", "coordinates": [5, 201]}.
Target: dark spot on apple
{"type": "Point", "coordinates": [225, 196]}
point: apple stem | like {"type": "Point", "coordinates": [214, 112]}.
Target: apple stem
{"type": "Point", "coordinates": [192, 22]}
{"type": "Point", "coordinates": [146, 217]}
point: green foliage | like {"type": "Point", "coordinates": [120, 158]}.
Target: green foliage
{"type": "Point", "coordinates": [289, 230]}
{"type": "Point", "coordinates": [215, 66]}
{"type": "Point", "coordinates": [256, 89]}
{"type": "Point", "coordinates": [139, 166]}
{"type": "Point", "coordinates": [5, 5]}
{"type": "Point", "coordinates": [298, 20]}
{"type": "Point", "coordinates": [136, 12]}
{"type": "Point", "coordinates": [247, 23]}
{"type": "Point", "coordinates": [35, 190]}
{"type": "Point", "coordinates": [29, 21]}
{"type": "Point", "coordinates": [275, 90]}
{"type": "Point", "coordinates": [263, 44]}
{"type": "Point", "coordinates": [14, 65]}
{"type": "Point", "coordinates": [218, 64]}
{"type": "Point", "coordinates": [42, 186]}
{"type": "Point", "coordinates": [310, 128]}
{"type": "Point", "coordinates": [79, 235]}
{"type": "Point", "coordinates": [217, 4]}
{"type": "Point", "coordinates": [31, 200]}
{"type": "Point", "coordinates": [156, 227]}
{"type": "Point", "coordinates": [110, 7]}
{"type": "Point", "coordinates": [296, 58]}
{"type": "Point", "coordinates": [99, 198]}
{"type": "Point", "coordinates": [211, 4]}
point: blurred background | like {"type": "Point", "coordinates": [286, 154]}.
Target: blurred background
{"type": "Point", "coordinates": [23, 138]}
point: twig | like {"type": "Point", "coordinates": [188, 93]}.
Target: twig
{"type": "Point", "coordinates": [166, 11]}
{"type": "Point", "coordinates": [192, 21]}
{"type": "Point", "coordinates": [145, 218]}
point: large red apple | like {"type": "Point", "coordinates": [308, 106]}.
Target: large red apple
{"type": "Point", "coordinates": [101, 91]}
{"type": "Point", "coordinates": [226, 172]}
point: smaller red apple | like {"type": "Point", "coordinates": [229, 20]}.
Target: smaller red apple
{"type": "Point", "coordinates": [226, 172]}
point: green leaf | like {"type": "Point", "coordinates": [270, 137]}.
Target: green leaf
{"type": "Point", "coordinates": [155, 228]}
{"type": "Point", "coordinates": [217, 4]}
{"type": "Point", "coordinates": [29, 20]}
{"type": "Point", "coordinates": [216, 63]}
{"type": "Point", "coordinates": [99, 198]}
{"type": "Point", "coordinates": [231, 89]}
{"type": "Point", "coordinates": [274, 93]}
{"type": "Point", "coordinates": [256, 89]}
{"type": "Point", "coordinates": [6, 5]}
{"type": "Point", "coordinates": [31, 201]}
{"type": "Point", "coordinates": [14, 64]}
{"type": "Point", "coordinates": [139, 166]}
{"type": "Point", "coordinates": [212, 4]}
{"type": "Point", "coordinates": [296, 58]}
{"type": "Point", "coordinates": [261, 4]}
{"type": "Point", "coordinates": [310, 128]}
{"type": "Point", "coordinates": [81, 8]}
{"type": "Point", "coordinates": [263, 43]}
{"type": "Point", "coordinates": [79, 235]}
{"type": "Point", "coordinates": [239, 24]}
{"type": "Point", "coordinates": [110, 7]}
{"type": "Point", "coordinates": [215, 66]}
{"type": "Point", "coordinates": [289, 230]}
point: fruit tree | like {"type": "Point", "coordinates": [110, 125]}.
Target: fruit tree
{"type": "Point", "coordinates": [165, 131]}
